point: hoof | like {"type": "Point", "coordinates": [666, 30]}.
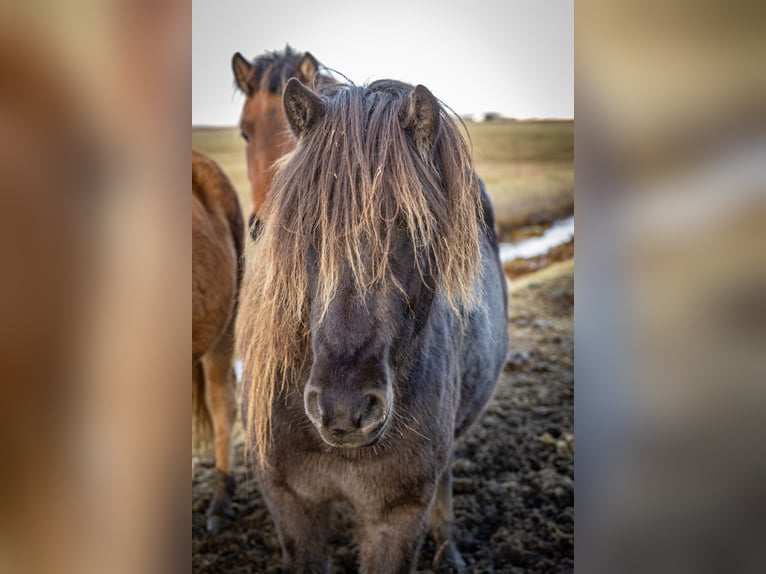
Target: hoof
{"type": "Point", "coordinates": [447, 554]}
{"type": "Point", "coordinates": [215, 523]}
{"type": "Point", "coordinates": [220, 511]}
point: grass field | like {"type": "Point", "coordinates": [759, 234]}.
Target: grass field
{"type": "Point", "coordinates": [528, 166]}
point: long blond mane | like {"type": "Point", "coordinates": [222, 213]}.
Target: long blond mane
{"type": "Point", "coordinates": [353, 183]}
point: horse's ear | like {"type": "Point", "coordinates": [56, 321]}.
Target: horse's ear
{"type": "Point", "coordinates": [243, 72]}
{"type": "Point", "coordinates": [303, 107]}
{"type": "Point", "coordinates": [307, 68]}
{"type": "Point", "coordinates": [419, 115]}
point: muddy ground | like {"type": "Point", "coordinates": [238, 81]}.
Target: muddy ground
{"type": "Point", "coordinates": [514, 470]}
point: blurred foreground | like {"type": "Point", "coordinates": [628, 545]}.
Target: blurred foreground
{"type": "Point", "coordinates": [671, 286]}
{"type": "Point", "coordinates": [94, 252]}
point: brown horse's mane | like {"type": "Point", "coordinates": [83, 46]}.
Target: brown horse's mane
{"type": "Point", "coordinates": [355, 182]}
{"type": "Point", "coordinates": [272, 70]}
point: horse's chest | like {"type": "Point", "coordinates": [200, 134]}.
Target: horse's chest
{"type": "Point", "coordinates": [325, 477]}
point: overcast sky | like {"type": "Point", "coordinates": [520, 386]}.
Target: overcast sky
{"type": "Point", "coordinates": [509, 56]}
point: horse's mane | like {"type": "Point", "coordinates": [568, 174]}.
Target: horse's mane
{"type": "Point", "coordinates": [354, 183]}
{"type": "Point", "coordinates": [272, 69]}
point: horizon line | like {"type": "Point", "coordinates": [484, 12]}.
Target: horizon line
{"type": "Point", "coordinates": [464, 117]}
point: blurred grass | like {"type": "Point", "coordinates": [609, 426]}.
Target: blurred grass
{"type": "Point", "coordinates": [528, 166]}
{"type": "Point", "coordinates": [226, 147]}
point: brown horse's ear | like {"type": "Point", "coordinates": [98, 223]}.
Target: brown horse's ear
{"type": "Point", "coordinates": [243, 72]}
{"type": "Point", "coordinates": [307, 68]}
{"type": "Point", "coordinates": [303, 107]}
{"type": "Point", "coordinates": [419, 115]}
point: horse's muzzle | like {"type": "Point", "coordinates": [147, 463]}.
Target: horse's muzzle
{"type": "Point", "coordinates": [347, 420]}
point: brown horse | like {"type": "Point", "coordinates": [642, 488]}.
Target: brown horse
{"type": "Point", "coordinates": [263, 124]}
{"type": "Point", "coordinates": [217, 244]}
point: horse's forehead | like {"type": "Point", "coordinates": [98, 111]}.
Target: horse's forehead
{"type": "Point", "coordinates": [263, 106]}
{"type": "Point", "coordinates": [352, 322]}
{"type": "Point", "coordinates": [351, 302]}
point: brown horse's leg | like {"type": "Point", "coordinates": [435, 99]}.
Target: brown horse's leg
{"type": "Point", "coordinates": [220, 396]}
{"type": "Point", "coordinates": [441, 524]}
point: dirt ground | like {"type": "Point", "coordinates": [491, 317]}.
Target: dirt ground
{"type": "Point", "coordinates": [514, 469]}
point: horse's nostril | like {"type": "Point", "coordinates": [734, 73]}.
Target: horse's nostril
{"type": "Point", "coordinates": [374, 411]}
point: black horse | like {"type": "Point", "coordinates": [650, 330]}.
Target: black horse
{"type": "Point", "coordinates": [373, 324]}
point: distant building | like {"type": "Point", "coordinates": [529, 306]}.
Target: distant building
{"type": "Point", "coordinates": [479, 117]}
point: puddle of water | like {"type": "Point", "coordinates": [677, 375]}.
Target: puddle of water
{"type": "Point", "coordinates": [558, 233]}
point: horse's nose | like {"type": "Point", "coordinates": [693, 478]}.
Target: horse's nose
{"type": "Point", "coordinates": [346, 418]}
{"type": "Point", "coordinates": [341, 415]}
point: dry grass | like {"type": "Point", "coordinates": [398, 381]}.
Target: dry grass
{"type": "Point", "coordinates": [226, 147]}
{"type": "Point", "coordinates": [528, 166]}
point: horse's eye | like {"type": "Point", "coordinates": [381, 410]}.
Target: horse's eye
{"type": "Point", "coordinates": [244, 136]}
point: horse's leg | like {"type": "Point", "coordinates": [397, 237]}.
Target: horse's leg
{"type": "Point", "coordinates": [302, 527]}
{"type": "Point", "coordinates": [391, 541]}
{"type": "Point", "coordinates": [441, 524]}
{"type": "Point", "coordinates": [220, 395]}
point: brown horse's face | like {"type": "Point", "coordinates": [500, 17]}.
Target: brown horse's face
{"type": "Point", "coordinates": [262, 124]}
{"type": "Point", "coordinates": [264, 128]}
